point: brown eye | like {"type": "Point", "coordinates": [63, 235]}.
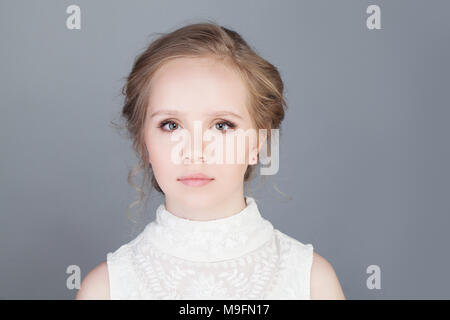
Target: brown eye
{"type": "Point", "coordinates": [172, 125]}
{"type": "Point", "coordinates": [220, 126]}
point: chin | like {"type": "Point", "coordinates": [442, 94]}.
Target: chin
{"type": "Point", "coordinates": [198, 199]}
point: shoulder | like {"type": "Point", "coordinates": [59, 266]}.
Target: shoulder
{"type": "Point", "coordinates": [113, 278]}
{"type": "Point", "coordinates": [95, 285]}
{"type": "Point", "coordinates": [324, 281]}
{"type": "Point", "coordinates": [296, 249]}
{"type": "Point", "coordinates": [310, 266]}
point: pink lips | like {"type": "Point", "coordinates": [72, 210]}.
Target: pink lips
{"type": "Point", "coordinates": [195, 180]}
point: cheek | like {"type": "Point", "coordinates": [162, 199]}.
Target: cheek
{"type": "Point", "coordinates": [159, 151]}
{"type": "Point", "coordinates": [159, 157]}
{"type": "Point", "coordinates": [229, 174]}
{"type": "Point", "coordinates": [241, 147]}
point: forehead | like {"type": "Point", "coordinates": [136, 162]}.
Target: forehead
{"type": "Point", "coordinates": [199, 85]}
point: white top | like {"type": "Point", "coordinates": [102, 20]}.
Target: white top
{"type": "Point", "coordinates": [237, 257]}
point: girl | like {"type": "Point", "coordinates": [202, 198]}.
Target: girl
{"type": "Point", "coordinates": [209, 240]}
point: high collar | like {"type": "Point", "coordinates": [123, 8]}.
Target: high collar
{"type": "Point", "coordinates": [210, 240]}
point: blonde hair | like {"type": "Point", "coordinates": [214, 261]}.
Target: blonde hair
{"type": "Point", "coordinates": [265, 87]}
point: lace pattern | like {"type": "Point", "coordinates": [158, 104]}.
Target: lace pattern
{"type": "Point", "coordinates": [238, 257]}
{"type": "Point", "coordinates": [280, 269]}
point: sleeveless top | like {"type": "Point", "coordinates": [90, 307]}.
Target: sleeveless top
{"type": "Point", "coordinates": [237, 257]}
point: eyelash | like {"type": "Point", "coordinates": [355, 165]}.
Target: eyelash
{"type": "Point", "coordinates": [228, 123]}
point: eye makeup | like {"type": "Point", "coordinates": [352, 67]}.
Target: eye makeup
{"type": "Point", "coordinates": [163, 123]}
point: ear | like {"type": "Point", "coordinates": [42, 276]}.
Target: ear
{"type": "Point", "coordinates": [257, 150]}
{"type": "Point", "coordinates": [263, 141]}
{"type": "Point", "coordinates": [148, 154]}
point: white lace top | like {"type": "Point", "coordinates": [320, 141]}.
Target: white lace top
{"type": "Point", "coordinates": [237, 257]}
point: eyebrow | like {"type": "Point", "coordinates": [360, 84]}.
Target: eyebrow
{"type": "Point", "coordinates": [175, 112]}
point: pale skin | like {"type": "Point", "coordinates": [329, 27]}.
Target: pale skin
{"type": "Point", "coordinates": [198, 89]}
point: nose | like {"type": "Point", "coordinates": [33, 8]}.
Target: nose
{"type": "Point", "coordinates": [187, 159]}
{"type": "Point", "coordinates": [197, 155]}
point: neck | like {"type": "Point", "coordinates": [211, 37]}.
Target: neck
{"type": "Point", "coordinates": [201, 208]}
{"type": "Point", "coordinates": [212, 240]}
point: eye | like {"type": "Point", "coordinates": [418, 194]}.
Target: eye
{"type": "Point", "coordinates": [172, 125]}
{"type": "Point", "coordinates": [221, 125]}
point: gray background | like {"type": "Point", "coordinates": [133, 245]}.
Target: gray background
{"type": "Point", "coordinates": [364, 150]}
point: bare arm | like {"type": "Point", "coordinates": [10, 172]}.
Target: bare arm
{"type": "Point", "coordinates": [324, 281]}
{"type": "Point", "coordinates": [95, 285]}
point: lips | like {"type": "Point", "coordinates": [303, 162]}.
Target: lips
{"type": "Point", "coordinates": [197, 176]}
{"type": "Point", "coordinates": [196, 180]}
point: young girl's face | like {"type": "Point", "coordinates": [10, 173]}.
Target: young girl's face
{"type": "Point", "coordinates": [212, 93]}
